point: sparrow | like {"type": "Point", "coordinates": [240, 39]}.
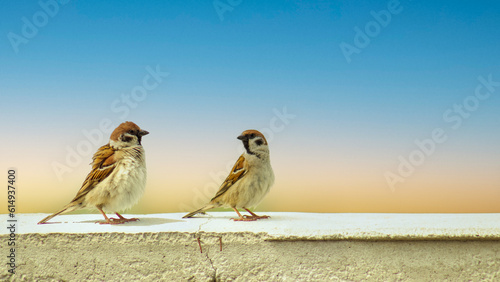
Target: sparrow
{"type": "Point", "coordinates": [249, 181]}
{"type": "Point", "coordinates": [118, 176]}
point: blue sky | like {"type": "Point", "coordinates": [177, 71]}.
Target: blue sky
{"type": "Point", "coordinates": [228, 75]}
{"type": "Point", "coordinates": [283, 50]}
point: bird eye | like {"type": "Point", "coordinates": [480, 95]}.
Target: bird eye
{"type": "Point", "coordinates": [131, 131]}
{"type": "Point", "coordinates": [252, 135]}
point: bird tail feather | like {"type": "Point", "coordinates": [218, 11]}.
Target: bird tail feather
{"type": "Point", "coordinates": [69, 207]}
{"type": "Point", "coordinates": [201, 210]}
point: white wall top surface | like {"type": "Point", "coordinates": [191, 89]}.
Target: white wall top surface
{"type": "Point", "coordinates": [282, 225]}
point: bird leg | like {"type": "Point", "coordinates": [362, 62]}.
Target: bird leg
{"type": "Point", "coordinates": [241, 217]}
{"type": "Point", "coordinates": [254, 216]}
{"type": "Point", "coordinates": [107, 221]}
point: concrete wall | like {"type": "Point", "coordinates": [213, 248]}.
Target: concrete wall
{"type": "Point", "coordinates": [288, 246]}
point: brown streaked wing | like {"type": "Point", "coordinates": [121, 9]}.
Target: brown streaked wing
{"type": "Point", "coordinates": [102, 166]}
{"type": "Point", "coordinates": [237, 172]}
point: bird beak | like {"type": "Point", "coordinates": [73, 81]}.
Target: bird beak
{"type": "Point", "coordinates": [242, 137]}
{"type": "Point", "coordinates": [143, 132]}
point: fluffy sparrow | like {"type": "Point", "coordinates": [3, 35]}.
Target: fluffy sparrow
{"type": "Point", "coordinates": [250, 179]}
{"type": "Point", "coordinates": [118, 176]}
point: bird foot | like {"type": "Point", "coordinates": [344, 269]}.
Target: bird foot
{"type": "Point", "coordinates": [255, 217]}
{"type": "Point", "coordinates": [250, 217]}
{"type": "Point", "coordinates": [117, 220]}
{"type": "Point", "coordinates": [244, 219]}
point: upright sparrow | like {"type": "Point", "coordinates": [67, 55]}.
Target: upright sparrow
{"type": "Point", "coordinates": [118, 176]}
{"type": "Point", "coordinates": [250, 179]}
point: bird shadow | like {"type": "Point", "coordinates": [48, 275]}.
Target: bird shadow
{"type": "Point", "coordinates": [143, 221]}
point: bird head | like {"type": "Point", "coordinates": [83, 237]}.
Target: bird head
{"type": "Point", "coordinates": [127, 134]}
{"type": "Point", "coordinates": [254, 142]}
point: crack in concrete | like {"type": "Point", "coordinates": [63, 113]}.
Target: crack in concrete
{"type": "Point", "coordinates": [197, 235]}
{"type": "Point", "coordinates": [199, 227]}
{"type": "Point", "coordinates": [213, 266]}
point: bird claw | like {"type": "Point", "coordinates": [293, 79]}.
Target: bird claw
{"type": "Point", "coordinates": [255, 217]}
{"type": "Point", "coordinates": [245, 218]}
{"type": "Point", "coordinates": [250, 218]}
{"type": "Point", "coordinates": [117, 220]}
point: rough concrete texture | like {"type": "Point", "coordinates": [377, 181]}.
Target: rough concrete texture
{"type": "Point", "coordinates": [307, 247]}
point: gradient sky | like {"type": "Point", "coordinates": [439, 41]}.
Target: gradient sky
{"type": "Point", "coordinates": [349, 124]}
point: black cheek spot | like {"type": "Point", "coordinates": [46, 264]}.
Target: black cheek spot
{"type": "Point", "coordinates": [126, 138]}
{"type": "Point", "coordinates": [259, 142]}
